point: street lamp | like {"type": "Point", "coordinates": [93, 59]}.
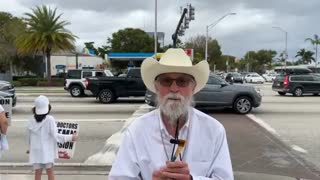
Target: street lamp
{"type": "Point", "coordinates": [286, 44]}
{"type": "Point", "coordinates": [211, 26]}
{"type": "Point", "coordinates": [155, 30]}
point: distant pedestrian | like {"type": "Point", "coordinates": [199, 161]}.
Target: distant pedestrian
{"type": "Point", "coordinates": [3, 130]}
{"type": "Point", "coordinates": [43, 137]}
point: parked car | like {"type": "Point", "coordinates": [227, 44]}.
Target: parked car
{"type": "Point", "coordinates": [218, 93]}
{"type": "Point", "coordinates": [234, 77]}
{"type": "Point", "coordinates": [75, 80]}
{"type": "Point", "coordinates": [254, 78]}
{"type": "Point", "coordinates": [269, 77]}
{"type": "Point", "coordinates": [108, 89]}
{"type": "Point", "coordinates": [7, 90]}
{"type": "Point", "coordinates": [297, 84]}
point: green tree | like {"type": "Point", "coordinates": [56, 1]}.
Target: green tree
{"type": "Point", "coordinates": [258, 61]}
{"type": "Point", "coordinates": [305, 56]}
{"type": "Point", "coordinates": [228, 62]}
{"type": "Point", "coordinates": [10, 28]}
{"type": "Point", "coordinates": [198, 44]}
{"type": "Point", "coordinates": [315, 42]}
{"type": "Point", "coordinates": [131, 40]}
{"type": "Point", "coordinates": [45, 34]}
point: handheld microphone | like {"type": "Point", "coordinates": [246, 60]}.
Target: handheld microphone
{"type": "Point", "coordinates": [174, 141]}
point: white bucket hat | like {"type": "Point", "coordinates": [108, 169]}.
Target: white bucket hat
{"type": "Point", "coordinates": [41, 105]}
{"type": "Point", "coordinates": [174, 60]}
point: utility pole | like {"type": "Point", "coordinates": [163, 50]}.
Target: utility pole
{"type": "Point", "coordinates": [155, 29]}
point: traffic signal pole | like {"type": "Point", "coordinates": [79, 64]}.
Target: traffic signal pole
{"type": "Point", "coordinates": [175, 35]}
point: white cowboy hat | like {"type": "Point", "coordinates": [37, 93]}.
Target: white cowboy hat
{"type": "Point", "coordinates": [174, 60]}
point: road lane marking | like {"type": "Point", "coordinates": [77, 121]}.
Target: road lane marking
{"type": "Point", "coordinates": [79, 120]}
{"type": "Point", "coordinates": [299, 149]}
{"type": "Point", "coordinates": [262, 123]}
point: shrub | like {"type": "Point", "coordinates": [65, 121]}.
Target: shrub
{"type": "Point", "coordinates": [29, 81]}
{"type": "Point", "coordinates": [16, 83]}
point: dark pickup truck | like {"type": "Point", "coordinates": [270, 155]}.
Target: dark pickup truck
{"type": "Point", "coordinates": [108, 89]}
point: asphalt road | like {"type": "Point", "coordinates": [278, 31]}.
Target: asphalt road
{"type": "Point", "coordinates": [253, 149]}
{"type": "Point", "coordinates": [97, 123]}
{"type": "Point", "coordinates": [294, 119]}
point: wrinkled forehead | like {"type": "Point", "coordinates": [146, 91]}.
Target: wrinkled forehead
{"type": "Point", "coordinates": [174, 75]}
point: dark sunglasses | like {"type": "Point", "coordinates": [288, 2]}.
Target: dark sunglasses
{"type": "Point", "coordinates": [180, 81]}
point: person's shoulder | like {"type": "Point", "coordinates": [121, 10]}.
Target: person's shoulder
{"type": "Point", "coordinates": [144, 122]}
{"type": "Point", "coordinates": [50, 119]}
{"type": "Point", "coordinates": [208, 121]}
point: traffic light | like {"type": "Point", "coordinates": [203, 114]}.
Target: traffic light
{"type": "Point", "coordinates": [191, 12]}
{"type": "Point", "coordinates": [186, 23]}
{"type": "Point", "coordinates": [181, 31]}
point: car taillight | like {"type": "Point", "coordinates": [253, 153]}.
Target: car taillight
{"type": "Point", "coordinates": [86, 83]}
{"type": "Point", "coordinates": [286, 81]}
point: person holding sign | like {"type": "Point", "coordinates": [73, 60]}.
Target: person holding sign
{"type": "Point", "coordinates": [3, 130]}
{"type": "Point", "coordinates": [3, 121]}
{"type": "Point", "coordinates": [175, 141]}
{"type": "Point", "coordinates": [43, 138]}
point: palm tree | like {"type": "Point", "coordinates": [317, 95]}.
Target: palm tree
{"type": "Point", "coordinates": [305, 56]}
{"type": "Point", "coordinates": [315, 43]}
{"type": "Point", "coordinates": [45, 34]}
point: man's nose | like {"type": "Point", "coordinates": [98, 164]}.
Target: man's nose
{"type": "Point", "coordinates": [174, 87]}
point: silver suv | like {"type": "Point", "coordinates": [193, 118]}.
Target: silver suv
{"type": "Point", "coordinates": [218, 93]}
{"type": "Point", "coordinates": [75, 80]}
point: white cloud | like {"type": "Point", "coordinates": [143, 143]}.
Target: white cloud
{"type": "Point", "coordinates": [250, 29]}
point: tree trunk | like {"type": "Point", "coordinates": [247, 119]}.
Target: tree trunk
{"type": "Point", "coordinates": [11, 70]}
{"type": "Point", "coordinates": [48, 54]}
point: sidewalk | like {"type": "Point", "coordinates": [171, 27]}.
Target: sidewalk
{"type": "Point", "coordinates": [237, 176]}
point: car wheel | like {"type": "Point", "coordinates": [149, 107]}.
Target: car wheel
{"type": "Point", "coordinates": [76, 91]}
{"type": "Point", "coordinates": [298, 92]}
{"type": "Point", "coordinates": [242, 105]}
{"type": "Point", "coordinates": [106, 96]}
{"type": "Point", "coordinates": [316, 94]}
{"type": "Point", "coordinates": [281, 93]}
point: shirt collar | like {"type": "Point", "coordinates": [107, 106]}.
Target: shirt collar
{"type": "Point", "coordinates": [186, 125]}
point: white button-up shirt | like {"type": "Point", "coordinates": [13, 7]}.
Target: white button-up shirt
{"type": "Point", "coordinates": [142, 150]}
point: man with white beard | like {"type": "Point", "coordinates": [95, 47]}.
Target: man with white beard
{"type": "Point", "coordinates": [175, 141]}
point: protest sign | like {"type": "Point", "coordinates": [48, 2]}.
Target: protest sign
{"type": "Point", "coordinates": [66, 150]}
{"type": "Point", "coordinates": [7, 106]}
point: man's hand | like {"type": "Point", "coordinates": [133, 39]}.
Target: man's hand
{"type": "Point", "coordinates": [176, 170]}
{"type": "Point", "coordinates": [158, 175]}
{"type": "Point", "coordinates": [75, 137]}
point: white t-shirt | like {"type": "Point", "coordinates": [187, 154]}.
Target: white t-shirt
{"type": "Point", "coordinates": [1, 109]}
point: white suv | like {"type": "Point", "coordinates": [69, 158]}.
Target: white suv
{"type": "Point", "coordinates": [75, 79]}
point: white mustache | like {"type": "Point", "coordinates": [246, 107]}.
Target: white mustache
{"type": "Point", "coordinates": [176, 96]}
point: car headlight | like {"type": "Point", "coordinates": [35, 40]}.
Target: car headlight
{"type": "Point", "coordinates": [257, 90]}
{"type": "Point", "coordinates": [4, 88]}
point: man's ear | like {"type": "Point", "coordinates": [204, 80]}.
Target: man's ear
{"type": "Point", "coordinates": [194, 86]}
{"type": "Point", "coordinates": [156, 86]}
